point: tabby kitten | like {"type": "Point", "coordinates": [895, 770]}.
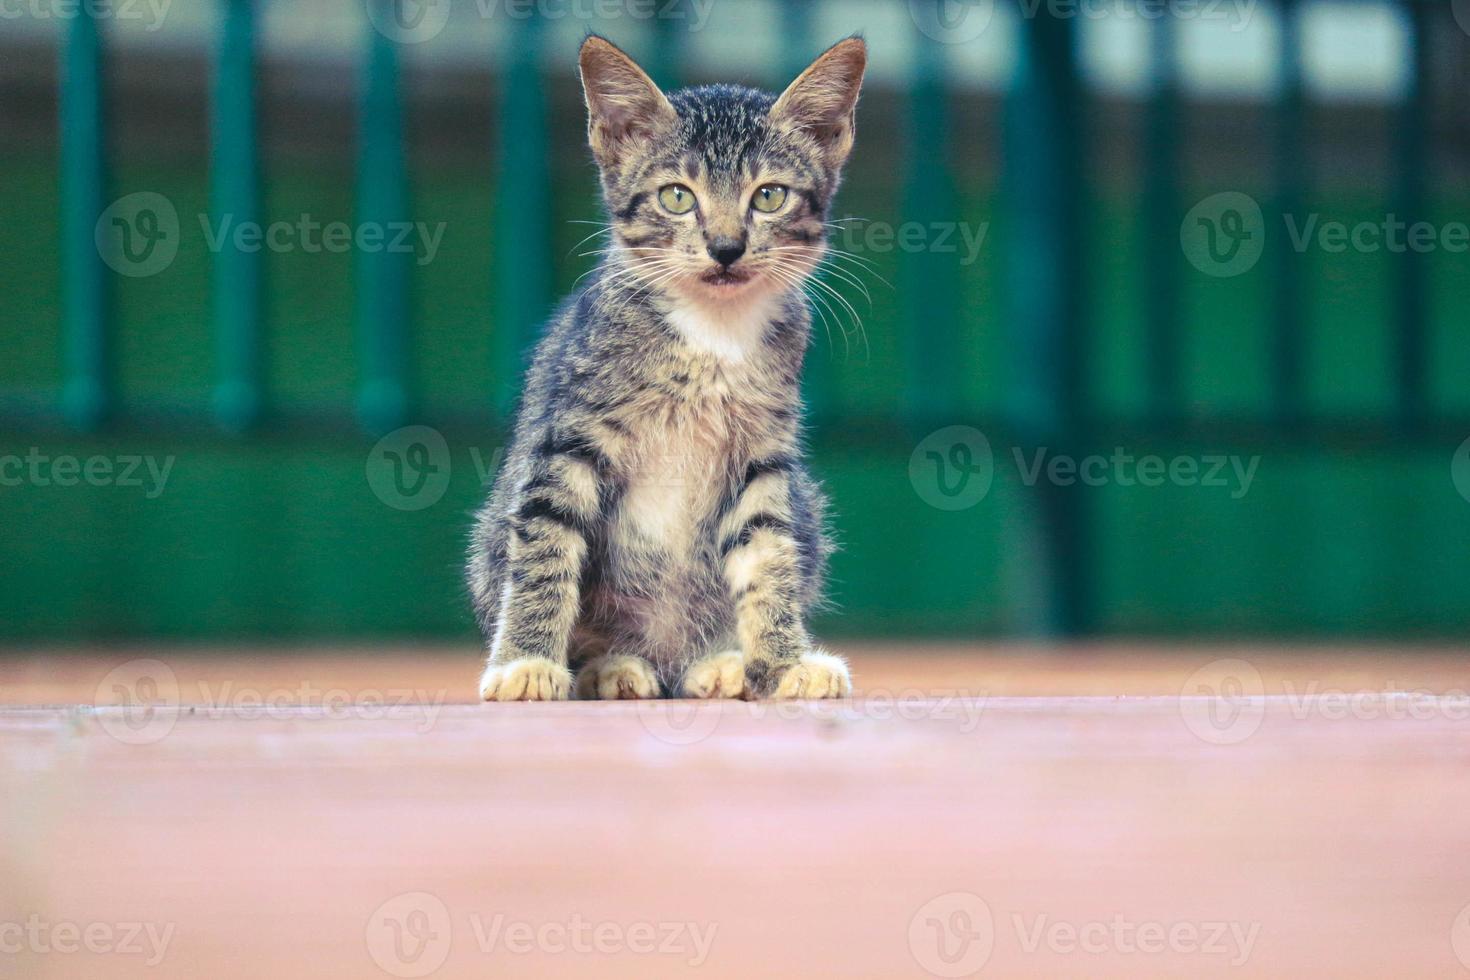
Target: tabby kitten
{"type": "Point", "coordinates": [653, 526]}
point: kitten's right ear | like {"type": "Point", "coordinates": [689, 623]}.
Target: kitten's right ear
{"type": "Point", "coordinates": [623, 103]}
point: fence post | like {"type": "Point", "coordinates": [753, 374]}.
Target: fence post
{"type": "Point", "coordinates": [928, 278]}
{"type": "Point", "coordinates": [235, 191]}
{"type": "Point", "coordinates": [1412, 298]}
{"type": "Point", "coordinates": [87, 388]}
{"type": "Point", "coordinates": [382, 276]}
{"type": "Point", "coordinates": [1043, 153]}
{"type": "Point", "coordinates": [522, 243]}
{"type": "Point", "coordinates": [1289, 360]}
{"type": "Point", "coordinates": [1161, 198]}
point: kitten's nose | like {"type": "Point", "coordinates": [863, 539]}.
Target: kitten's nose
{"type": "Point", "coordinates": [725, 251]}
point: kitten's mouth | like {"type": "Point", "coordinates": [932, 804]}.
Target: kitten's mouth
{"type": "Point", "coordinates": [727, 278]}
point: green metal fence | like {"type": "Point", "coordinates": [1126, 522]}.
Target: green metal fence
{"type": "Point", "coordinates": [1047, 275]}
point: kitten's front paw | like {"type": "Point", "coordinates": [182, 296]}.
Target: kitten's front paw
{"type": "Point", "coordinates": [617, 676]}
{"type": "Point", "coordinates": [526, 679]}
{"type": "Point", "coordinates": [814, 675]}
{"type": "Point", "coordinates": [719, 676]}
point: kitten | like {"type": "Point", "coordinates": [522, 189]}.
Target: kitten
{"type": "Point", "coordinates": [653, 525]}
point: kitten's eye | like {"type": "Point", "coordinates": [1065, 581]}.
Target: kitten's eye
{"type": "Point", "coordinates": [769, 198]}
{"type": "Point", "coordinates": [677, 199]}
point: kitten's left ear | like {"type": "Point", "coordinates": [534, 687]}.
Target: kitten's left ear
{"type": "Point", "coordinates": [623, 103]}
{"type": "Point", "coordinates": [823, 101]}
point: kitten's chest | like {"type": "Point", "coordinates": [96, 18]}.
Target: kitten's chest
{"type": "Point", "coordinates": [678, 464]}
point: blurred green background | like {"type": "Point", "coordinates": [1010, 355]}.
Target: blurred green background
{"type": "Point", "coordinates": [1353, 525]}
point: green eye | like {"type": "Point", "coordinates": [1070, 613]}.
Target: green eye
{"type": "Point", "coordinates": [769, 198]}
{"type": "Point", "coordinates": [677, 199]}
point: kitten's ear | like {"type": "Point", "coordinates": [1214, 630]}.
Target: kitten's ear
{"type": "Point", "coordinates": [623, 103]}
{"type": "Point", "coordinates": [823, 101]}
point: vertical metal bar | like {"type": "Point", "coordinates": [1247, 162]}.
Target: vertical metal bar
{"type": "Point", "coordinates": [1288, 381]}
{"type": "Point", "coordinates": [523, 246]}
{"type": "Point", "coordinates": [382, 275]}
{"type": "Point", "coordinates": [1043, 152]}
{"type": "Point", "coordinates": [667, 65]}
{"type": "Point", "coordinates": [234, 191]}
{"type": "Point", "coordinates": [1412, 300]}
{"type": "Point", "coordinates": [928, 277]}
{"type": "Point", "coordinates": [819, 375]}
{"type": "Point", "coordinates": [87, 388]}
{"type": "Point", "coordinates": [1161, 197]}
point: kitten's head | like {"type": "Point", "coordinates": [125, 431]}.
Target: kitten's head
{"type": "Point", "coordinates": [719, 194]}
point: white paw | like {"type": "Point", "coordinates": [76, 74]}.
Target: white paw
{"type": "Point", "coordinates": [617, 677]}
{"type": "Point", "coordinates": [526, 679]}
{"type": "Point", "coordinates": [721, 675]}
{"type": "Point", "coordinates": [815, 675]}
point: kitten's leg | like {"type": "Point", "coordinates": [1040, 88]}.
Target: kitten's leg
{"type": "Point", "coordinates": [548, 543]}
{"type": "Point", "coordinates": [762, 565]}
{"type": "Point", "coordinates": [617, 676]}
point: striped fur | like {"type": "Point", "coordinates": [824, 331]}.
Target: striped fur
{"type": "Point", "coordinates": [653, 526]}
